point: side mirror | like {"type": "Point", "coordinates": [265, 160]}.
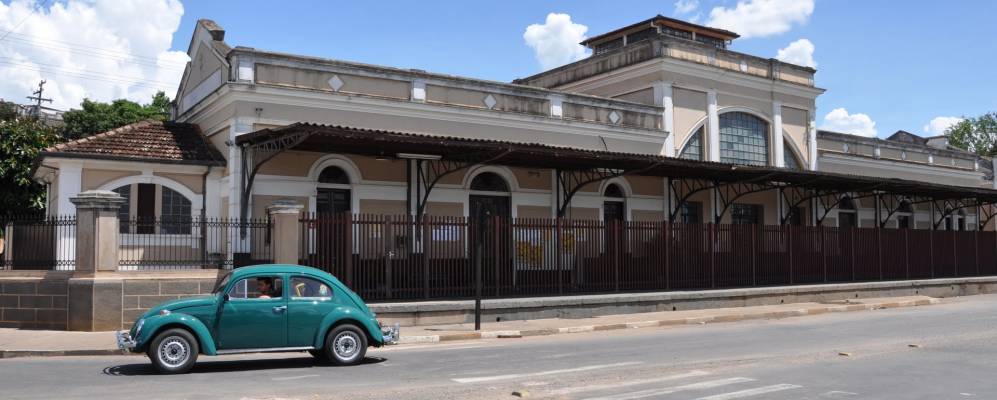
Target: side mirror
{"type": "Point", "coordinates": [225, 297]}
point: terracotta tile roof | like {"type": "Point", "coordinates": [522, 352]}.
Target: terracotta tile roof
{"type": "Point", "coordinates": [150, 141]}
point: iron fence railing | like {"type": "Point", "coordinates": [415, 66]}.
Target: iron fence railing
{"type": "Point", "coordinates": [37, 242]}
{"type": "Point", "coordinates": [167, 244]}
{"type": "Point", "coordinates": [396, 257]}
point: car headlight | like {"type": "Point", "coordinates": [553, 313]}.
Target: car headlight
{"type": "Point", "coordinates": [138, 327]}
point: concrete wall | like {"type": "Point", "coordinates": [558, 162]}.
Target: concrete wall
{"type": "Point", "coordinates": [43, 300]}
{"type": "Point", "coordinates": [451, 312]}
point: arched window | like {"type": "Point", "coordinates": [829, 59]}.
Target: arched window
{"type": "Point", "coordinates": [613, 190]}
{"type": "Point", "coordinates": [789, 158]}
{"type": "Point", "coordinates": [904, 213]}
{"type": "Point", "coordinates": [175, 216]}
{"type": "Point", "coordinates": [334, 174]}
{"type": "Point", "coordinates": [743, 139]}
{"type": "Point", "coordinates": [694, 146]}
{"type": "Point", "coordinates": [124, 210]}
{"type": "Point", "coordinates": [489, 182]}
{"type": "Point", "coordinates": [847, 217]}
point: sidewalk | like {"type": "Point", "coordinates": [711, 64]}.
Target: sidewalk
{"type": "Point", "coordinates": [33, 343]}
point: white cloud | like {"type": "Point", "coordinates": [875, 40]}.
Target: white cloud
{"type": "Point", "coordinates": [555, 42]}
{"type": "Point", "coordinates": [686, 6]}
{"type": "Point", "coordinates": [839, 120]}
{"type": "Point", "coordinates": [100, 49]}
{"type": "Point", "coordinates": [800, 52]}
{"type": "Point", "coordinates": [760, 18]}
{"type": "Point", "coordinates": [938, 125]}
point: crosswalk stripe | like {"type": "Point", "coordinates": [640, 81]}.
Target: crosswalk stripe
{"type": "Point", "coordinates": [543, 373]}
{"type": "Point", "coordinates": [751, 392]}
{"type": "Point", "coordinates": [590, 388]}
{"type": "Point", "coordinates": [668, 390]}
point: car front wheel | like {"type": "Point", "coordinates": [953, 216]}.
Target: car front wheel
{"type": "Point", "coordinates": [174, 351]}
{"type": "Point", "coordinates": [346, 345]}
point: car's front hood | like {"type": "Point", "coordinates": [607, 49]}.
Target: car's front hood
{"type": "Point", "coordinates": [179, 304]}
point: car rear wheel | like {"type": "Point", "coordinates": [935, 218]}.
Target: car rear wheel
{"type": "Point", "coordinates": [174, 351]}
{"type": "Point", "coordinates": [346, 345]}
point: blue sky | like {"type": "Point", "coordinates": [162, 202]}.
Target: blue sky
{"type": "Point", "coordinates": [900, 63]}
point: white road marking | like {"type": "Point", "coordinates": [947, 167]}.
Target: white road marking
{"type": "Point", "coordinates": [544, 373]}
{"type": "Point", "coordinates": [590, 388]}
{"type": "Point", "coordinates": [288, 378]}
{"type": "Point", "coordinates": [751, 392]}
{"type": "Point", "coordinates": [668, 390]}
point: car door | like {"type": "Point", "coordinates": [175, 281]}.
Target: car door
{"type": "Point", "coordinates": [252, 318]}
{"type": "Point", "coordinates": [309, 300]}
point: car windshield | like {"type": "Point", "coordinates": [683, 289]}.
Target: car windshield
{"type": "Point", "coordinates": [221, 283]}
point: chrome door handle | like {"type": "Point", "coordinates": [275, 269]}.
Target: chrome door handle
{"type": "Point", "coordinates": [280, 309]}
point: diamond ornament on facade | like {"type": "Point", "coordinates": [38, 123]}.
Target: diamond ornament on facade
{"type": "Point", "coordinates": [614, 117]}
{"type": "Point", "coordinates": [335, 83]}
{"type": "Point", "coordinates": [490, 102]}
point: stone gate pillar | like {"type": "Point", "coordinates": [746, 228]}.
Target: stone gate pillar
{"type": "Point", "coordinates": [94, 304]}
{"type": "Point", "coordinates": [285, 241]}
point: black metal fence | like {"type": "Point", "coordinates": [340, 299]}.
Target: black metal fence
{"type": "Point", "coordinates": [37, 242]}
{"type": "Point", "coordinates": [393, 257]}
{"type": "Point", "coordinates": [167, 244]}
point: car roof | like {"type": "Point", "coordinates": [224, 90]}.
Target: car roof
{"type": "Point", "coordinates": [278, 269]}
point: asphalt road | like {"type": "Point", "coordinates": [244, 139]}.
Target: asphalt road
{"type": "Point", "coordinates": [858, 355]}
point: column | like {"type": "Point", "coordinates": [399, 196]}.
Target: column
{"type": "Point", "coordinates": [70, 183]}
{"type": "Point", "coordinates": [238, 247]}
{"type": "Point", "coordinates": [777, 140]}
{"type": "Point", "coordinates": [812, 140]}
{"type": "Point", "coordinates": [663, 98]}
{"type": "Point", "coordinates": [286, 234]}
{"type": "Point", "coordinates": [713, 125]}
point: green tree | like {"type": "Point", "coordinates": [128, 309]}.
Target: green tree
{"type": "Point", "coordinates": [95, 117]}
{"type": "Point", "coordinates": [20, 141]}
{"type": "Point", "coordinates": [978, 135]}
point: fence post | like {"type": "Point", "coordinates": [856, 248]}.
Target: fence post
{"type": "Point", "coordinates": [425, 256]}
{"type": "Point", "coordinates": [285, 236]}
{"type": "Point", "coordinates": [97, 230]}
{"type": "Point", "coordinates": [387, 236]}
{"type": "Point", "coordinates": [617, 232]}
{"type": "Point", "coordinates": [713, 255]}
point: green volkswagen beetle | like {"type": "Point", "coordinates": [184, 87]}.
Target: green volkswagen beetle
{"type": "Point", "coordinates": [263, 308]}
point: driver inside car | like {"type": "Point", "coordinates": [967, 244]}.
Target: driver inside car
{"type": "Point", "coordinates": [266, 289]}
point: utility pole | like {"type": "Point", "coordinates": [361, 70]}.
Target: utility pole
{"type": "Point", "coordinates": [39, 99]}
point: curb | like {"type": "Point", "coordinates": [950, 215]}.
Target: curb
{"type": "Point", "coordinates": [668, 322]}
{"type": "Point", "coordinates": [61, 353]}
{"type": "Point", "coordinates": [845, 307]}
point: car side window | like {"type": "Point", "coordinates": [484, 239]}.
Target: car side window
{"type": "Point", "coordinates": [308, 288]}
{"type": "Point", "coordinates": [257, 287]}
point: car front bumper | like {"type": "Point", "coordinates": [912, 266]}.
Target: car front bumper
{"type": "Point", "coordinates": [125, 341]}
{"type": "Point", "coordinates": [391, 334]}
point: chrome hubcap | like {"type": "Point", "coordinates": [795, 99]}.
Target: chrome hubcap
{"type": "Point", "coordinates": [173, 351]}
{"type": "Point", "coordinates": [347, 345]}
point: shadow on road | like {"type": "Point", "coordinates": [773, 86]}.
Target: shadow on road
{"type": "Point", "coordinates": [232, 366]}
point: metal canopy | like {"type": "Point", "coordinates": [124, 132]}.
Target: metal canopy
{"type": "Point", "coordinates": [261, 145]}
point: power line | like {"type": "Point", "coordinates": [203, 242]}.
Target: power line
{"type": "Point", "coordinates": [13, 61]}
{"type": "Point", "coordinates": [149, 84]}
{"type": "Point", "coordinates": [96, 51]}
{"type": "Point", "coordinates": [25, 19]}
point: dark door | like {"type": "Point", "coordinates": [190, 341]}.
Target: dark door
{"type": "Point", "coordinates": [614, 216]}
{"type": "Point", "coordinates": [332, 228]}
{"type": "Point", "coordinates": [489, 217]}
{"type": "Point", "coordinates": [332, 201]}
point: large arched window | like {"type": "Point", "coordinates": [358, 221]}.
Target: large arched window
{"type": "Point", "coordinates": [693, 149]}
{"type": "Point", "coordinates": [613, 190]}
{"type": "Point", "coordinates": [334, 175]}
{"type": "Point", "coordinates": [743, 139]}
{"type": "Point", "coordinates": [489, 182]}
